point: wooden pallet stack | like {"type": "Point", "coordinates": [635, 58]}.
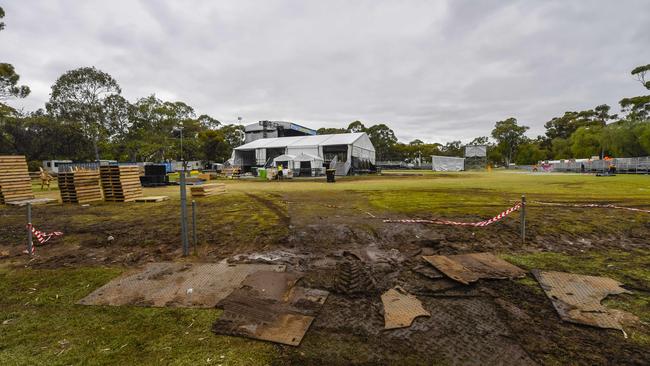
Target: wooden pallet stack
{"type": "Point", "coordinates": [81, 186]}
{"type": "Point", "coordinates": [121, 183]}
{"type": "Point", "coordinates": [15, 183]}
{"type": "Point", "coordinates": [205, 190]}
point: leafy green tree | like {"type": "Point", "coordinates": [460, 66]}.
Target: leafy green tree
{"type": "Point", "coordinates": [638, 108]}
{"type": "Point", "coordinates": [383, 139]}
{"type": "Point", "coordinates": [32, 136]}
{"type": "Point", "coordinates": [117, 112]}
{"type": "Point", "coordinates": [563, 127]}
{"type": "Point", "coordinates": [452, 148]}
{"type": "Point", "coordinates": [9, 87]}
{"type": "Point", "coordinates": [79, 95]}
{"type": "Point", "coordinates": [357, 126]}
{"type": "Point", "coordinates": [509, 135]}
{"type": "Point", "coordinates": [561, 148]}
{"type": "Point", "coordinates": [330, 131]}
{"type": "Point", "coordinates": [643, 132]}
{"type": "Point", "coordinates": [587, 142]}
{"type": "Point", "coordinates": [214, 146]}
{"type": "Point", "coordinates": [481, 140]}
{"type": "Point", "coordinates": [208, 122]}
{"type": "Point", "coordinates": [621, 139]}
{"type": "Point", "coordinates": [529, 153]}
{"type": "Point", "coordinates": [640, 72]}
{"type": "Point", "coordinates": [234, 135]}
{"type": "Point", "coordinates": [416, 142]}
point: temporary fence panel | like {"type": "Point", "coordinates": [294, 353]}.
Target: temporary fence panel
{"type": "Point", "coordinates": [447, 164]}
{"type": "Point", "coordinates": [475, 151]}
{"type": "Point", "coordinates": [637, 165]}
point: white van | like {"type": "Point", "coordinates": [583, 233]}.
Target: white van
{"type": "Point", "coordinates": [52, 166]}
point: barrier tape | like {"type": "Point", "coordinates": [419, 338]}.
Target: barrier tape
{"type": "Point", "coordinates": [42, 237]}
{"type": "Point", "coordinates": [590, 205]}
{"type": "Point", "coordinates": [496, 218]}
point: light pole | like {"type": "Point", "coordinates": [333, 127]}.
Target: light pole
{"type": "Point", "coordinates": [184, 239]}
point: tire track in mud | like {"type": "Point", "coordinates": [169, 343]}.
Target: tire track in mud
{"type": "Point", "coordinates": [273, 207]}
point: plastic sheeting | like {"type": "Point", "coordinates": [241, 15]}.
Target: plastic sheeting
{"type": "Point", "coordinates": [447, 164]}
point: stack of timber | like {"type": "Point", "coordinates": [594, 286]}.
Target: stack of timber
{"type": "Point", "coordinates": [15, 183]}
{"type": "Point", "coordinates": [80, 186]}
{"type": "Point", "coordinates": [205, 190]}
{"type": "Point", "coordinates": [233, 172]}
{"type": "Point", "coordinates": [121, 183]}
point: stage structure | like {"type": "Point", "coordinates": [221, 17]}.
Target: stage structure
{"type": "Point", "coordinates": [476, 157]}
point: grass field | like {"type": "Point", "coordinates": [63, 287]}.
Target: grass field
{"type": "Point", "coordinates": [40, 323]}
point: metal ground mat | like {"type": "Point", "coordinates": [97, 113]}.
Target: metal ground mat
{"type": "Point", "coordinates": [577, 298]}
{"type": "Point", "coordinates": [401, 308]}
{"type": "Point", "coordinates": [467, 268]}
{"type": "Point", "coordinates": [270, 307]}
{"type": "Point", "coordinates": [199, 285]}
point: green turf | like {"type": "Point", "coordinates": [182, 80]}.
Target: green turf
{"type": "Point", "coordinates": [41, 325]}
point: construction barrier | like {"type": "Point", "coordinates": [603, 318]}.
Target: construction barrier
{"type": "Point", "coordinates": [496, 218]}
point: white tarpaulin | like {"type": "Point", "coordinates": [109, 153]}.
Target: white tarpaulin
{"type": "Point", "coordinates": [475, 150]}
{"type": "Point", "coordinates": [447, 164]}
{"type": "Point", "coordinates": [294, 161]}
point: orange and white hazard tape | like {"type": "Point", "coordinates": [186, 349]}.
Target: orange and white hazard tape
{"type": "Point", "coordinates": [496, 218]}
{"type": "Point", "coordinates": [42, 237]}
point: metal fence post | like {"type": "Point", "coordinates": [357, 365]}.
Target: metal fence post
{"type": "Point", "coordinates": [523, 218]}
{"type": "Point", "coordinates": [186, 247]}
{"type": "Point", "coordinates": [194, 225]}
{"type": "Point", "coordinates": [30, 244]}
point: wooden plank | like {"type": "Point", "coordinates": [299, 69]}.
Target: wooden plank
{"type": "Point", "coordinates": [152, 199]}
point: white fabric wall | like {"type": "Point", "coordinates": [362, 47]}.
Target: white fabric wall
{"type": "Point", "coordinates": [309, 150]}
{"type": "Point", "coordinates": [363, 154]}
{"type": "Point", "coordinates": [447, 164]}
{"type": "Point", "coordinates": [260, 156]}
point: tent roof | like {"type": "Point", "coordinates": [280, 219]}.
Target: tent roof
{"type": "Point", "coordinates": [284, 157]}
{"type": "Point", "coordinates": [317, 140]}
{"type": "Point", "coordinates": [307, 157]}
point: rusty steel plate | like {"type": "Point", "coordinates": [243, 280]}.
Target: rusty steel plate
{"type": "Point", "coordinates": [467, 268]}
{"type": "Point", "coordinates": [576, 298]}
{"type": "Point", "coordinates": [401, 308]}
{"type": "Point", "coordinates": [200, 285]}
{"type": "Point", "coordinates": [270, 307]}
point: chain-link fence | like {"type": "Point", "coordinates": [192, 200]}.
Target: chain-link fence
{"type": "Point", "coordinates": [640, 165]}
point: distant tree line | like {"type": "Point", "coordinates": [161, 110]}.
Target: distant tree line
{"type": "Point", "coordinates": [86, 119]}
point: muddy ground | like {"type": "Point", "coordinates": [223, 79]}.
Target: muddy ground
{"type": "Point", "coordinates": [342, 245]}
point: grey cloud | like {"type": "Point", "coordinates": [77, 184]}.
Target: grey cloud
{"type": "Point", "coordinates": [431, 70]}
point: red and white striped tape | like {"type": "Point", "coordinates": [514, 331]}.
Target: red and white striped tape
{"type": "Point", "coordinates": [590, 205]}
{"type": "Point", "coordinates": [42, 237]}
{"type": "Point", "coordinates": [496, 218]}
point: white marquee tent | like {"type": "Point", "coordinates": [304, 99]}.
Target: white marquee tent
{"type": "Point", "coordinates": [305, 148]}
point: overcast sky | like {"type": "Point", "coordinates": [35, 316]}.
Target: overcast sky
{"type": "Point", "coordinates": [434, 70]}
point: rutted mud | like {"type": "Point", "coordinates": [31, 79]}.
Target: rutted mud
{"type": "Point", "coordinates": [342, 246]}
